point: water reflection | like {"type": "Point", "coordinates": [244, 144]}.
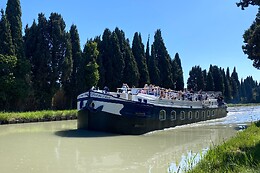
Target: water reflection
{"type": "Point", "coordinates": [60, 147]}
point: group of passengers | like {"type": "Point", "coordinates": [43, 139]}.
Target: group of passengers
{"type": "Point", "coordinates": [175, 95]}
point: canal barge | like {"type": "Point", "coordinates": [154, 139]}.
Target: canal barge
{"type": "Point", "coordinates": [135, 111]}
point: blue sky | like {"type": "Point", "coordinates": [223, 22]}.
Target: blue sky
{"type": "Point", "coordinates": [203, 32]}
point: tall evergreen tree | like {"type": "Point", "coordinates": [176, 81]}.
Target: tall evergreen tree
{"type": "Point", "coordinates": [195, 81]}
{"type": "Point", "coordinates": [179, 81]}
{"type": "Point", "coordinates": [153, 69]}
{"type": "Point", "coordinates": [14, 14]}
{"type": "Point", "coordinates": [117, 56]}
{"type": "Point", "coordinates": [139, 55]}
{"type": "Point", "coordinates": [6, 44]}
{"type": "Point", "coordinates": [50, 56]}
{"type": "Point", "coordinates": [217, 78]}
{"type": "Point", "coordinates": [210, 86]}
{"type": "Point", "coordinates": [105, 59]}
{"type": "Point", "coordinates": [235, 86]}
{"type": "Point", "coordinates": [227, 85]}
{"type": "Point", "coordinates": [77, 75]}
{"type": "Point", "coordinates": [22, 69]}
{"type": "Point", "coordinates": [131, 74]}
{"type": "Point", "coordinates": [162, 60]}
{"type": "Point", "coordinates": [37, 51]}
{"type": "Point", "coordinates": [204, 73]}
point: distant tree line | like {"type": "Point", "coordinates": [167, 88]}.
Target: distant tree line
{"type": "Point", "coordinates": [46, 68]}
{"type": "Point", "coordinates": [218, 79]}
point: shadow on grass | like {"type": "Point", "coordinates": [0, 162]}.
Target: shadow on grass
{"type": "Point", "coordinates": [83, 134]}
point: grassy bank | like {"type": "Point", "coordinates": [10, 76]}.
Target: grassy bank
{"type": "Point", "coordinates": [24, 117]}
{"type": "Point", "coordinates": [239, 154]}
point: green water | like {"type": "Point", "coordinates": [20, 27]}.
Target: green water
{"type": "Point", "coordinates": [60, 147]}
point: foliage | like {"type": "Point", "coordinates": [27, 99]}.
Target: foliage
{"type": "Point", "coordinates": [7, 65]}
{"type": "Point", "coordinates": [196, 80]}
{"type": "Point", "coordinates": [139, 55]}
{"type": "Point", "coordinates": [239, 154]}
{"type": "Point", "coordinates": [37, 115]}
{"type": "Point", "coordinates": [245, 3]}
{"type": "Point", "coordinates": [90, 54]}
{"type": "Point", "coordinates": [162, 60]}
{"type": "Point", "coordinates": [47, 64]}
{"type": "Point", "coordinates": [251, 40]}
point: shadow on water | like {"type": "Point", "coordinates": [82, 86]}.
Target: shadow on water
{"type": "Point", "coordinates": [83, 134]}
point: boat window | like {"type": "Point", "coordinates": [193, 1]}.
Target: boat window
{"type": "Point", "coordinates": [182, 115]}
{"type": "Point", "coordinates": [190, 115]}
{"type": "Point", "coordinates": [197, 114]}
{"type": "Point", "coordinates": [162, 115]}
{"type": "Point", "coordinates": [173, 115]}
{"type": "Point", "coordinates": [203, 114]}
{"type": "Point", "coordinates": [208, 113]}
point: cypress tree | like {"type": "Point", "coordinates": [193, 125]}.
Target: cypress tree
{"type": "Point", "coordinates": [14, 14]}
{"type": "Point", "coordinates": [139, 55]}
{"type": "Point", "coordinates": [210, 86]}
{"type": "Point", "coordinates": [195, 81]}
{"type": "Point", "coordinates": [235, 86]}
{"type": "Point", "coordinates": [153, 69]}
{"type": "Point", "coordinates": [131, 74]}
{"type": "Point", "coordinates": [77, 75]}
{"type": "Point", "coordinates": [162, 60]}
{"type": "Point", "coordinates": [179, 83]}
{"type": "Point", "coordinates": [6, 44]}
{"type": "Point", "coordinates": [106, 58]}
{"type": "Point", "coordinates": [227, 85]}
{"type": "Point", "coordinates": [117, 57]}
{"type": "Point", "coordinates": [37, 51]}
{"type": "Point", "coordinates": [204, 73]}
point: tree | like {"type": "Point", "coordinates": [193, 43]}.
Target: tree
{"type": "Point", "coordinates": [210, 86]}
{"type": "Point", "coordinates": [235, 84]}
{"type": "Point", "coordinates": [162, 60]}
{"type": "Point", "coordinates": [153, 69]}
{"type": "Point", "coordinates": [6, 44]}
{"type": "Point", "coordinates": [245, 3]}
{"type": "Point", "coordinates": [131, 74]}
{"type": "Point", "coordinates": [90, 54]}
{"type": "Point", "coordinates": [217, 78]}
{"type": "Point", "coordinates": [251, 40]}
{"type": "Point", "coordinates": [195, 81]}
{"type": "Point", "coordinates": [22, 69]}
{"type": "Point", "coordinates": [227, 93]}
{"type": "Point", "coordinates": [139, 55]}
{"type": "Point", "coordinates": [7, 65]}
{"type": "Point", "coordinates": [77, 76]}
{"type": "Point", "coordinates": [177, 73]}
{"type": "Point", "coordinates": [48, 48]}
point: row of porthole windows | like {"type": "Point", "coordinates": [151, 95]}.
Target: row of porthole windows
{"type": "Point", "coordinates": [162, 115]}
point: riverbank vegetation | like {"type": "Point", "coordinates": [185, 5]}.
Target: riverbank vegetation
{"type": "Point", "coordinates": [239, 154]}
{"type": "Point", "coordinates": [46, 68]}
{"type": "Point", "coordinates": [37, 116]}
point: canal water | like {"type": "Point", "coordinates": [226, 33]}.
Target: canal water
{"type": "Point", "coordinates": [59, 147]}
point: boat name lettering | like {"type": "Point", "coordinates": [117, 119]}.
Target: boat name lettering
{"type": "Point", "coordinates": [100, 95]}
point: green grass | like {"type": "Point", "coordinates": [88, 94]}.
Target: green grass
{"type": "Point", "coordinates": [239, 154]}
{"type": "Point", "coordinates": [6, 117]}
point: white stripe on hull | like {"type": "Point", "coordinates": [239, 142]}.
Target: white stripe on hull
{"type": "Point", "coordinates": [113, 108]}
